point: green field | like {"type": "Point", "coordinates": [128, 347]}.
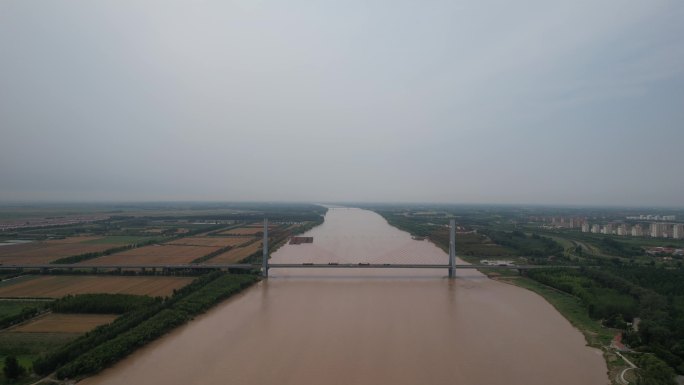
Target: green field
{"type": "Point", "coordinates": [28, 346]}
{"type": "Point", "coordinates": [11, 308]}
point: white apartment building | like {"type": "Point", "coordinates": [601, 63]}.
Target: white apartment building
{"type": "Point", "coordinates": [623, 230]}
{"type": "Point", "coordinates": [658, 230]}
{"type": "Point", "coordinates": [678, 231]}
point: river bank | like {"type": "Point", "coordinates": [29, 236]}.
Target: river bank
{"type": "Point", "coordinates": [369, 327]}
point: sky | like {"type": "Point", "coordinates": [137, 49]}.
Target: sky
{"type": "Point", "coordinates": [492, 101]}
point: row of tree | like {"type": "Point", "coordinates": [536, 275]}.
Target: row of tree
{"type": "Point", "coordinates": [102, 303]}
{"type": "Point", "coordinates": [109, 343]}
{"type": "Point", "coordinates": [211, 255]}
{"type": "Point", "coordinates": [26, 313]}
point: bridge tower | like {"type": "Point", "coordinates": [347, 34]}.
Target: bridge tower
{"type": "Point", "coordinates": [264, 262]}
{"type": "Point", "coordinates": [452, 248]}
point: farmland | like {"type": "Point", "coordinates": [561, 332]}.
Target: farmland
{"type": "Point", "coordinates": [116, 240]}
{"type": "Point", "coordinates": [27, 346]}
{"type": "Point", "coordinates": [154, 254]}
{"type": "Point", "coordinates": [59, 286]}
{"type": "Point", "coordinates": [236, 255]}
{"type": "Point", "coordinates": [64, 323]}
{"type": "Point", "coordinates": [211, 241]}
{"type": "Point", "coordinates": [126, 234]}
{"type": "Point", "coordinates": [244, 231]}
{"type": "Point", "coordinates": [44, 252]}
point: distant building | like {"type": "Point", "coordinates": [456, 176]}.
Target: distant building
{"type": "Point", "coordinates": [637, 231]}
{"type": "Point", "coordinates": [659, 230]}
{"type": "Point", "coordinates": [595, 229]}
{"type": "Point", "coordinates": [678, 231]}
{"type": "Point", "coordinates": [623, 230]}
{"type": "Point", "coordinates": [607, 229]}
{"type": "Point", "coordinates": [585, 227]}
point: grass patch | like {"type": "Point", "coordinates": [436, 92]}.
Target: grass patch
{"type": "Point", "coordinates": [11, 308]}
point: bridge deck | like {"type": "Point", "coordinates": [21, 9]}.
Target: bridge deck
{"type": "Point", "coordinates": [281, 265]}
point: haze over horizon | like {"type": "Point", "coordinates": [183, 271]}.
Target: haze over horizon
{"type": "Point", "coordinates": [577, 103]}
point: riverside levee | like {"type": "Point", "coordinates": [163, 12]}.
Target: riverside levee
{"type": "Point", "coordinates": [356, 326]}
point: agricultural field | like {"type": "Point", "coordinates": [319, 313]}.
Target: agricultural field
{"type": "Point", "coordinates": [253, 231]}
{"type": "Point", "coordinates": [235, 255]}
{"type": "Point", "coordinates": [57, 286]}
{"type": "Point", "coordinates": [211, 241]}
{"type": "Point", "coordinates": [43, 252]}
{"type": "Point", "coordinates": [9, 308]}
{"type": "Point", "coordinates": [27, 346]}
{"type": "Point", "coordinates": [117, 240]}
{"type": "Point", "coordinates": [154, 255]}
{"type": "Point", "coordinates": [158, 229]}
{"type": "Point", "coordinates": [64, 323]}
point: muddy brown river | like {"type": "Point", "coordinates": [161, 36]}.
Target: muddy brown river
{"type": "Point", "coordinates": [353, 326]}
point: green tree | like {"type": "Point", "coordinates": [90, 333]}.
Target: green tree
{"type": "Point", "coordinates": [654, 371]}
{"type": "Point", "coordinates": [12, 368]}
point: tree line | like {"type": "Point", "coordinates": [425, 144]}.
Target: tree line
{"type": "Point", "coordinates": [102, 303]}
{"type": "Point", "coordinates": [107, 344]}
{"type": "Point", "coordinates": [619, 294]}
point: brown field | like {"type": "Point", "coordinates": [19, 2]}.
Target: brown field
{"type": "Point", "coordinates": [65, 323]}
{"type": "Point", "coordinates": [154, 255]}
{"type": "Point", "coordinates": [43, 252]}
{"type": "Point", "coordinates": [57, 286]}
{"type": "Point", "coordinates": [243, 231]}
{"type": "Point", "coordinates": [235, 255]}
{"type": "Point", "coordinates": [211, 241]}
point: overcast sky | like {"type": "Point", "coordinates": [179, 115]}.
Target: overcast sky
{"type": "Point", "coordinates": [570, 102]}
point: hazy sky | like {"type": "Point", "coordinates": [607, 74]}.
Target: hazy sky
{"type": "Point", "coordinates": [574, 102]}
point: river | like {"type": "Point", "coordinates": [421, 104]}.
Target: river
{"type": "Point", "coordinates": [358, 326]}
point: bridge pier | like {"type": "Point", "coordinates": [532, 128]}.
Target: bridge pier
{"type": "Point", "coordinates": [264, 243]}
{"type": "Point", "coordinates": [452, 248]}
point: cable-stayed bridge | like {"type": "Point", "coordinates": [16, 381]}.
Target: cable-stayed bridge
{"type": "Point", "coordinates": [265, 266]}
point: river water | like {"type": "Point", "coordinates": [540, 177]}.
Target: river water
{"type": "Point", "coordinates": [363, 326]}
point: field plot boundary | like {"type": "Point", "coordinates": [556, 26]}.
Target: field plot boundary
{"type": "Point", "coordinates": [159, 254]}
{"type": "Point", "coordinates": [55, 286]}
{"type": "Point", "coordinates": [50, 322]}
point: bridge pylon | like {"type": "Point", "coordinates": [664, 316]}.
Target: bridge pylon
{"type": "Point", "coordinates": [264, 243]}
{"type": "Point", "coordinates": [452, 248]}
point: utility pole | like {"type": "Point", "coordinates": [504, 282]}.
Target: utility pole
{"type": "Point", "coordinates": [264, 267]}
{"type": "Point", "coordinates": [452, 248]}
